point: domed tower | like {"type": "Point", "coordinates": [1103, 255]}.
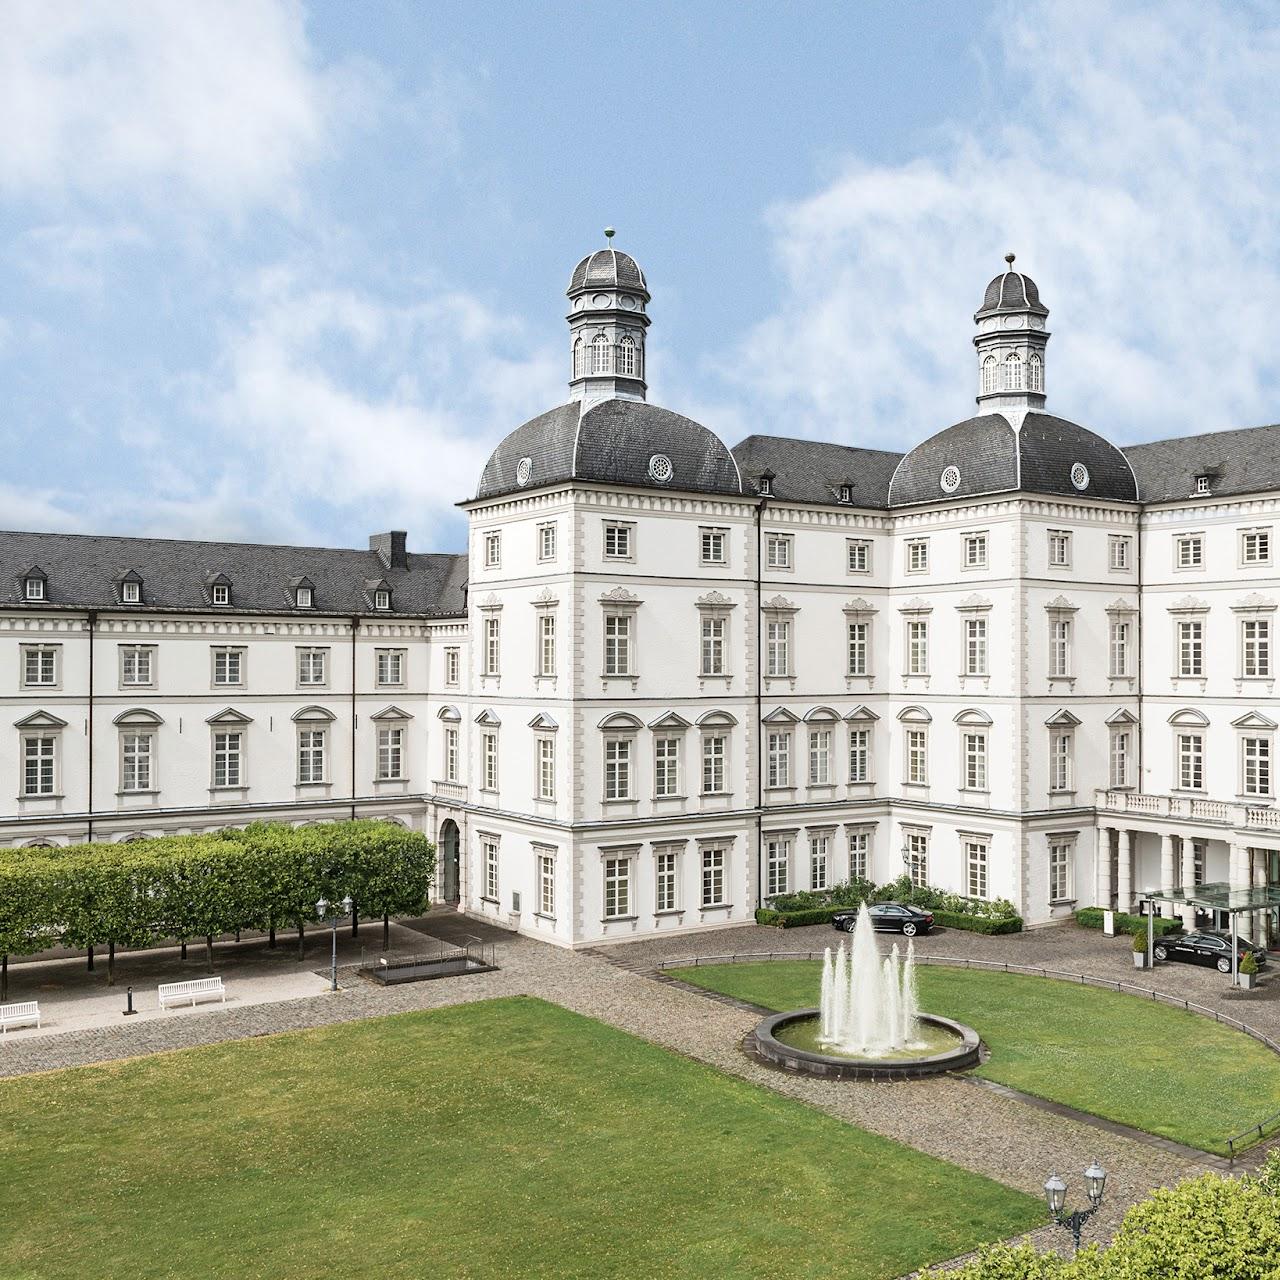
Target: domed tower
{"type": "Point", "coordinates": [1011, 340]}
{"type": "Point", "coordinates": [607, 321]}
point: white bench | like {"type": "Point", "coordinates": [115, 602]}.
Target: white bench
{"type": "Point", "coordinates": [190, 992]}
{"type": "Point", "coordinates": [25, 1014]}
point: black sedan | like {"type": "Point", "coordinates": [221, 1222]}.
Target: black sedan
{"type": "Point", "coordinates": [887, 917]}
{"type": "Point", "coordinates": [1206, 948]}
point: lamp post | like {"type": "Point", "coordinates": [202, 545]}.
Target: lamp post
{"type": "Point", "coordinates": [1055, 1194]}
{"type": "Point", "coordinates": [323, 908]}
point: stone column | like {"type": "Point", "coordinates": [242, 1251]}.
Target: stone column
{"type": "Point", "coordinates": [1188, 880]}
{"type": "Point", "coordinates": [1124, 871]}
{"type": "Point", "coordinates": [1166, 871]}
{"type": "Point", "coordinates": [1102, 869]}
{"type": "Point", "coordinates": [1259, 933]}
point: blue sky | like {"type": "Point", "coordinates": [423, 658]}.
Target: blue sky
{"type": "Point", "coordinates": [288, 271]}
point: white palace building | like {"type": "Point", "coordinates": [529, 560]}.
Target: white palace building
{"type": "Point", "coordinates": [669, 679]}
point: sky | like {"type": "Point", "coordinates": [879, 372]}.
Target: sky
{"type": "Point", "coordinates": [282, 271]}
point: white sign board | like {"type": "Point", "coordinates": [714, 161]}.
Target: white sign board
{"type": "Point", "coordinates": [1109, 923]}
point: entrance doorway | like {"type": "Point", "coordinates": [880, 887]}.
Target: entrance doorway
{"type": "Point", "coordinates": [450, 860]}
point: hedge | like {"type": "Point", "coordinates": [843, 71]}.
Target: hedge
{"type": "Point", "coordinates": [792, 919]}
{"type": "Point", "coordinates": [1091, 918]}
{"type": "Point", "coordinates": [947, 919]}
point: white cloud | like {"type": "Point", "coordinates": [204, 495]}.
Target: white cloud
{"type": "Point", "coordinates": [1131, 164]}
{"type": "Point", "coordinates": [219, 101]}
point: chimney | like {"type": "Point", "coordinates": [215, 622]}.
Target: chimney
{"type": "Point", "coordinates": [390, 548]}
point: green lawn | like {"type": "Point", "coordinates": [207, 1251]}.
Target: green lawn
{"type": "Point", "coordinates": [509, 1138]}
{"type": "Point", "coordinates": [1144, 1064]}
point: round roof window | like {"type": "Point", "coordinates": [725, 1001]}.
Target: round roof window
{"type": "Point", "coordinates": [660, 468]}
{"type": "Point", "coordinates": [524, 469]}
{"type": "Point", "coordinates": [950, 479]}
{"type": "Point", "coordinates": [1080, 475]}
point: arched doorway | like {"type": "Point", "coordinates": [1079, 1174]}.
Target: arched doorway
{"type": "Point", "coordinates": [450, 860]}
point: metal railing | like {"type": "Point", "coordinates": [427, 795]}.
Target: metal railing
{"type": "Point", "coordinates": [1254, 1133]}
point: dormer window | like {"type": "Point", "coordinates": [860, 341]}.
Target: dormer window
{"type": "Point", "coordinates": [304, 597]}
{"type": "Point", "coordinates": [382, 598]}
{"type": "Point", "coordinates": [33, 587]}
{"type": "Point", "coordinates": [846, 493]}
{"type": "Point", "coordinates": [1202, 484]}
{"type": "Point", "coordinates": [221, 593]}
{"type": "Point", "coordinates": [765, 486]}
{"type": "Point", "coordinates": [131, 591]}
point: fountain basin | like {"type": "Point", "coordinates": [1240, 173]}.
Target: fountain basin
{"type": "Point", "coordinates": [766, 1042]}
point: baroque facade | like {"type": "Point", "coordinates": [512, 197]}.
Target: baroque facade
{"type": "Point", "coordinates": [669, 679]}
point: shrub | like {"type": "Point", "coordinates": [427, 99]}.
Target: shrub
{"type": "Point", "coordinates": [1250, 963]}
{"type": "Point", "coordinates": [1091, 918]}
{"type": "Point", "coordinates": [793, 919]}
{"type": "Point", "coordinates": [1140, 943]}
{"type": "Point", "coordinates": [978, 924]}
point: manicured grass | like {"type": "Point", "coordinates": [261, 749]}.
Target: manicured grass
{"type": "Point", "coordinates": [497, 1139]}
{"type": "Point", "coordinates": [1143, 1064]}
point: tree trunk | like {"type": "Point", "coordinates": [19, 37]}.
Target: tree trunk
{"type": "Point", "coordinates": [208, 950]}
{"type": "Point", "coordinates": [4, 979]}
{"type": "Point", "coordinates": [89, 954]}
{"type": "Point", "coordinates": [302, 941]}
{"type": "Point", "coordinates": [111, 964]}
{"type": "Point", "coordinates": [386, 931]}
{"type": "Point", "coordinates": [355, 922]}
{"type": "Point", "coordinates": [271, 936]}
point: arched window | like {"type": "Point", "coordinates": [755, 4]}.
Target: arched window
{"type": "Point", "coordinates": [627, 357]}
{"type": "Point", "coordinates": [988, 375]}
{"type": "Point", "coordinates": [600, 354]}
{"type": "Point", "coordinates": [1012, 372]}
{"type": "Point", "coordinates": [1035, 374]}
{"type": "Point", "coordinates": [579, 359]}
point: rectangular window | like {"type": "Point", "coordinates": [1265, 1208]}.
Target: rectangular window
{"type": "Point", "coordinates": [1061, 856]}
{"type": "Point", "coordinates": [714, 546]}
{"type": "Point", "coordinates": [859, 755]}
{"type": "Point", "coordinates": [712, 877]}
{"type": "Point", "coordinates": [390, 665]}
{"type": "Point", "coordinates": [135, 761]}
{"type": "Point", "coordinates": [546, 545]}
{"type": "Point", "coordinates": [136, 664]}
{"type": "Point", "coordinates": [304, 597]}
{"type": "Point", "coordinates": [778, 648]}
{"type": "Point", "coordinates": [975, 761]}
{"type": "Point", "coordinates": [617, 768]}
{"type": "Point", "coordinates": [450, 754]}
{"type": "Point", "coordinates": [489, 761]}
{"type": "Point", "coordinates": [1060, 761]}
{"type": "Point", "coordinates": [546, 769]}
{"type": "Point", "coordinates": [617, 888]}
{"type": "Point", "coordinates": [546, 883]}
{"type": "Point", "coordinates": [1255, 546]}
{"type": "Point", "coordinates": [492, 645]}
{"type": "Point", "coordinates": [1059, 549]}
{"type": "Point", "coordinates": [1119, 551]}
{"type": "Point", "coordinates": [819, 757]}
{"type": "Point", "coordinates": [917, 757]}
{"type": "Point", "coordinates": [975, 859]}
{"type": "Point", "coordinates": [490, 851]}
{"type": "Point", "coordinates": [666, 767]}
{"type": "Point", "coordinates": [858, 555]}
{"type": "Point", "coordinates": [859, 855]}
{"type": "Point", "coordinates": [1257, 766]}
{"type": "Point", "coordinates": [39, 757]}
{"type": "Point", "coordinates": [617, 541]}
{"type": "Point", "coordinates": [34, 588]}
{"type": "Point", "coordinates": [778, 758]}
{"type": "Point", "coordinates": [975, 646]}
{"type": "Point", "coordinates": [777, 868]}
{"type": "Point", "coordinates": [918, 555]}
{"type": "Point", "coordinates": [228, 666]}
{"type": "Point", "coordinates": [917, 648]}
{"type": "Point", "coordinates": [859, 648]}
{"type": "Point", "coordinates": [665, 881]}
{"type": "Point", "coordinates": [819, 861]}
{"type": "Point", "coordinates": [918, 858]}
{"type": "Point", "coordinates": [1191, 761]}
{"type": "Point", "coordinates": [713, 660]}
{"type": "Point", "coordinates": [221, 593]}
{"type": "Point", "coordinates": [311, 666]}
{"type": "Point", "coordinates": [546, 643]}
{"type": "Point", "coordinates": [228, 758]}
{"type": "Point", "coordinates": [1121, 758]}
{"type": "Point", "coordinates": [1119, 648]}
{"type": "Point", "coordinates": [452, 666]}
{"type": "Point", "coordinates": [390, 753]}
{"type": "Point", "coordinates": [1191, 648]}
{"type": "Point", "coordinates": [1190, 551]}
{"type": "Point", "coordinates": [492, 550]}
{"type": "Point", "coordinates": [777, 551]}
{"type": "Point", "coordinates": [311, 744]}
{"type": "Point", "coordinates": [1059, 647]}
{"type": "Point", "coordinates": [617, 644]}
{"type": "Point", "coordinates": [713, 763]}
{"type": "Point", "coordinates": [39, 665]}
{"type": "Point", "coordinates": [1256, 634]}
{"type": "Point", "coordinates": [975, 550]}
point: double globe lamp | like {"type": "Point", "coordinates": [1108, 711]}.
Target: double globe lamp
{"type": "Point", "coordinates": [1055, 1194]}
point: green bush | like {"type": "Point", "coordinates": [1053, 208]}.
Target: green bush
{"type": "Point", "coordinates": [852, 893]}
{"type": "Point", "coordinates": [1140, 943]}
{"type": "Point", "coordinates": [1091, 918]}
{"type": "Point", "coordinates": [793, 919]}
{"type": "Point", "coordinates": [978, 924]}
{"type": "Point", "coordinates": [1250, 963]}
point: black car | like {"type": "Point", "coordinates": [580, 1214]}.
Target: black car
{"type": "Point", "coordinates": [1206, 948]}
{"type": "Point", "coordinates": [887, 917]}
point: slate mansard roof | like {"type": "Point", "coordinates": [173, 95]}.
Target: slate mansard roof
{"type": "Point", "coordinates": [1246, 461]}
{"type": "Point", "coordinates": [816, 470]}
{"type": "Point", "coordinates": [613, 442]}
{"type": "Point", "coordinates": [84, 572]}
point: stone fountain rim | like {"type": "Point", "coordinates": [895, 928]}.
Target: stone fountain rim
{"type": "Point", "coordinates": [766, 1046]}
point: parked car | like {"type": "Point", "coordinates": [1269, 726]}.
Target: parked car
{"type": "Point", "coordinates": [887, 917]}
{"type": "Point", "coordinates": [1206, 947]}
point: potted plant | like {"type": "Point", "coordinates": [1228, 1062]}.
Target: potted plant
{"type": "Point", "coordinates": [1248, 971]}
{"type": "Point", "coordinates": [1140, 950]}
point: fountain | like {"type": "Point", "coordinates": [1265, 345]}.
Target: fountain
{"type": "Point", "coordinates": [868, 1022]}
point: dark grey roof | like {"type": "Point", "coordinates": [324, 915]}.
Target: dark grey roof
{"type": "Point", "coordinates": [1246, 461]}
{"type": "Point", "coordinates": [613, 442]}
{"type": "Point", "coordinates": [84, 571]}
{"type": "Point", "coordinates": [994, 458]}
{"type": "Point", "coordinates": [1011, 291]}
{"type": "Point", "coordinates": [607, 267]}
{"type": "Point", "coordinates": [815, 470]}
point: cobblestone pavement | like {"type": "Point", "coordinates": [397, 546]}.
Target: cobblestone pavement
{"type": "Point", "coordinates": [988, 1133]}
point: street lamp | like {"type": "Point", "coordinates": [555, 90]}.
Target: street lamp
{"type": "Point", "coordinates": [1055, 1194]}
{"type": "Point", "coordinates": [322, 910]}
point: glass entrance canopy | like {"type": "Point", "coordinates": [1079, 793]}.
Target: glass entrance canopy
{"type": "Point", "coordinates": [1220, 896]}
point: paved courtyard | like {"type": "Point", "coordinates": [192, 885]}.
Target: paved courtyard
{"type": "Point", "coordinates": [977, 1128]}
